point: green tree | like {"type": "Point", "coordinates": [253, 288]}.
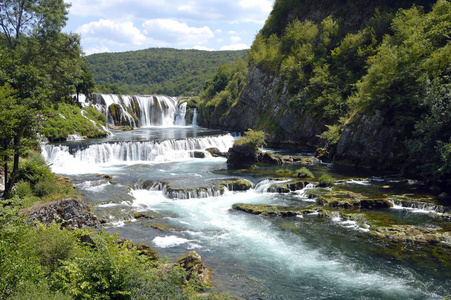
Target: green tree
{"type": "Point", "coordinates": [39, 64]}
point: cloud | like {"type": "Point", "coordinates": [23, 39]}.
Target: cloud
{"type": "Point", "coordinates": [235, 39]}
{"type": "Point", "coordinates": [176, 33]}
{"type": "Point", "coordinates": [202, 48]}
{"type": "Point", "coordinates": [101, 49]}
{"type": "Point", "coordinates": [235, 47]}
{"type": "Point", "coordinates": [115, 32]}
{"type": "Point", "coordinates": [233, 11]}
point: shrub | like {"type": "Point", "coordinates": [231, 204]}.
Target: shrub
{"type": "Point", "coordinates": [326, 180]}
{"type": "Point", "coordinates": [304, 173]}
{"type": "Point", "coordinates": [252, 139]}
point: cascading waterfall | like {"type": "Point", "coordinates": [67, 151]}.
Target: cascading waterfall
{"type": "Point", "coordinates": [141, 111]}
{"type": "Point", "coordinates": [194, 123]}
{"type": "Point", "coordinates": [62, 157]}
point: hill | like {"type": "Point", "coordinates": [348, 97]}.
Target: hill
{"type": "Point", "coordinates": [157, 70]}
{"type": "Point", "coordinates": [369, 82]}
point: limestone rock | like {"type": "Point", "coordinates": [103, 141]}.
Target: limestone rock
{"type": "Point", "coordinates": [71, 213]}
{"type": "Point", "coordinates": [194, 266]}
{"type": "Point", "coordinates": [215, 152]}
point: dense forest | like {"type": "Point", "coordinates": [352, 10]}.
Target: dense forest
{"type": "Point", "coordinates": [366, 84]}
{"type": "Point", "coordinates": [160, 71]}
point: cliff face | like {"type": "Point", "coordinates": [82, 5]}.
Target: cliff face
{"type": "Point", "coordinates": [263, 105]}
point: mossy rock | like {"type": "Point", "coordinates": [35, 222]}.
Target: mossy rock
{"type": "Point", "coordinates": [147, 215]}
{"type": "Point", "coordinates": [268, 210]}
{"type": "Point", "coordinates": [195, 268]}
{"type": "Point", "coordinates": [166, 227]}
{"type": "Point", "coordinates": [351, 200]}
{"type": "Point", "coordinates": [146, 250]}
{"type": "Point", "coordinates": [215, 152]}
{"type": "Point", "coordinates": [237, 184]}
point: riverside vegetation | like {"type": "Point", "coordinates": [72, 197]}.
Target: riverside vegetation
{"type": "Point", "coordinates": [41, 66]}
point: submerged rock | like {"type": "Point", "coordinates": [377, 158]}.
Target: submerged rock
{"type": "Point", "coordinates": [70, 213]}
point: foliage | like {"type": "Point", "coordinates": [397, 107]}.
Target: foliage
{"type": "Point", "coordinates": [70, 119]}
{"type": "Point", "coordinates": [40, 65]}
{"type": "Point", "coordinates": [326, 180]}
{"type": "Point", "coordinates": [252, 139]}
{"type": "Point", "coordinates": [304, 173]}
{"type": "Point", "coordinates": [222, 91]}
{"type": "Point", "coordinates": [158, 70]}
{"type": "Point", "coordinates": [340, 64]}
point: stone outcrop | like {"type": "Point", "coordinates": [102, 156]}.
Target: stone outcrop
{"type": "Point", "coordinates": [215, 152]}
{"type": "Point", "coordinates": [194, 267]}
{"type": "Point", "coordinates": [70, 213]}
{"type": "Point", "coordinates": [350, 200]}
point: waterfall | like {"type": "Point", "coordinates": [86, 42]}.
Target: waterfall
{"type": "Point", "coordinates": [141, 111]}
{"type": "Point", "coordinates": [419, 207]}
{"type": "Point", "coordinates": [63, 158]}
{"type": "Point", "coordinates": [194, 123]}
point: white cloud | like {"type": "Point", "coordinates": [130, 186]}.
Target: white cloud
{"type": "Point", "coordinates": [101, 49]}
{"type": "Point", "coordinates": [202, 48]}
{"type": "Point", "coordinates": [235, 47]}
{"type": "Point", "coordinates": [262, 5]}
{"type": "Point", "coordinates": [235, 39]}
{"type": "Point", "coordinates": [232, 32]}
{"type": "Point", "coordinates": [115, 32]}
{"type": "Point", "coordinates": [176, 33]}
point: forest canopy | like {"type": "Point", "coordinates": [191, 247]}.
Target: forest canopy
{"type": "Point", "coordinates": [158, 70]}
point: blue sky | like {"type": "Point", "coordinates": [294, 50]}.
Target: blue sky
{"type": "Point", "coordinates": [125, 25]}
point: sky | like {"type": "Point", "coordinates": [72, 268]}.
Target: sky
{"type": "Point", "coordinates": [127, 25]}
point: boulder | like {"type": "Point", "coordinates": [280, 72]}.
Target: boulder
{"type": "Point", "coordinates": [199, 154]}
{"type": "Point", "coordinates": [70, 213]}
{"type": "Point", "coordinates": [215, 152]}
{"type": "Point", "coordinates": [237, 184]}
{"type": "Point", "coordinates": [194, 267]}
{"type": "Point", "coordinates": [242, 157]}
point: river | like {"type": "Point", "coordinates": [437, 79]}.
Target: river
{"type": "Point", "coordinates": [253, 257]}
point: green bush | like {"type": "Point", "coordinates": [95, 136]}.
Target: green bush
{"type": "Point", "coordinates": [326, 180]}
{"type": "Point", "coordinates": [252, 139]}
{"type": "Point", "coordinates": [304, 173]}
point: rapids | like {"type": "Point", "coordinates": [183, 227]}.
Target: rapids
{"type": "Point", "coordinates": [254, 257]}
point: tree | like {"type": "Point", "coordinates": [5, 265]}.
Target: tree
{"type": "Point", "coordinates": [39, 65]}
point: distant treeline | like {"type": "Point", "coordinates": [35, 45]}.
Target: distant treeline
{"type": "Point", "coordinates": [158, 70]}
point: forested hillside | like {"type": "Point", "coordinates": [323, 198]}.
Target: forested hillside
{"type": "Point", "coordinates": [369, 83]}
{"type": "Point", "coordinates": [157, 71]}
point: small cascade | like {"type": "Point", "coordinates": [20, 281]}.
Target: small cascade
{"type": "Point", "coordinates": [180, 194]}
{"type": "Point", "coordinates": [419, 207]}
{"type": "Point", "coordinates": [62, 156]}
{"type": "Point", "coordinates": [193, 193]}
{"type": "Point", "coordinates": [194, 122]}
{"type": "Point", "coordinates": [268, 186]}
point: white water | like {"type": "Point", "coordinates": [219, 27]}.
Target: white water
{"type": "Point", "coordinates": [95, 156]}
{"type": "Point", "coordinates": [148, 110]}
{"type": "Point", "coordinates": [248, 240]}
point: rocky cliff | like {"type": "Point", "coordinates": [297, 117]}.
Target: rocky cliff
{"type": "Point", "coordinates": [347, 71]}
{"type": "Point", "coordinates": [263, 105]}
